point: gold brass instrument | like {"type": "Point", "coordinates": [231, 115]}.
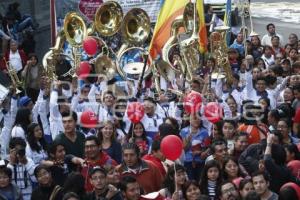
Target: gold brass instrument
{"type": "Point", "coordinates": [172, 43]}
{"type": "Point", "coordinates": [104, 65]}
{"type": "Point", "coordinates": [13, 76]}
{"type": "Point", "coordinates": [75, 31]}
{"type": "Point", "coordinates": [135, 30]}
{"type": "Point", "coordinates": [219, 51]}
{"type": "Point", "coordinates": [50, 58]}
{"type": "Point", "coordinates": [189, 48]}
{"type": "Point", "coordinates": [108, 19]}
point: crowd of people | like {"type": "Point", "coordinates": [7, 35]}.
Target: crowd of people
{"type": "Point", "coordinates": [251, 153]}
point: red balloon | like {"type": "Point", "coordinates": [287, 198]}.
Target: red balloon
{"type": "Point", "coordinates": [84, 69]}
{"type": "Point", "coordinates": [192, 102]}
{"type": "Point", "coordinates": [213, 112]}
{"type": "Point", "coordinates": [89, 119]}
{"type": "Point", "coordinates": [171, 146]}
{"type": "Point", "coordinates": [90, 46]}
{"type": "Point", "coordinates": [135, 112]}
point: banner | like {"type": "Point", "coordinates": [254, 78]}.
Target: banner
{"type": "Point", "coordinates": [88, 8]}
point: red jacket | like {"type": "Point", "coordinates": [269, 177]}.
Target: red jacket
{"type": "Point", "coordinates": [156, 162]}
{"type": "Point", "coordinates": [148, 176]}
{"type": "Point", "coordinates": [104, 159]}
{"type": "Point", "coordinates": [22, 55]}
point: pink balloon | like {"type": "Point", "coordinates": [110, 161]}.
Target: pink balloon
{"type": "Point", "coordinates": [89, 119]}
{"type": "Point", "coordinates": [192, 102]}
{"type": "Point", "coordinates": [84, 69]}
{"type": "Point", "coordinates": [171, 146]}
{"type": "Point", "coordinates": [90, 46]}
{"type": "Point", "coordinates": [213, 112]}
{"type": "Point", "coordinates": [135, 112]}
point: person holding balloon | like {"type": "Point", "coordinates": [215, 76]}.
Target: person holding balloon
{"type": "Point", "coordinates": [137, 135]}
{"type": "Point", "coordinates": [173, 183]}
{"type": "Point", "coordinates": [195, 140]}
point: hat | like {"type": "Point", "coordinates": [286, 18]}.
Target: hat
{"type": "Point", "coordinates": [24, 101]}
{"type": "Point", "coordinates": [97, 169]}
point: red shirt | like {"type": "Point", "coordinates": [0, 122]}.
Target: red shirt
{"type": "Point", "coordinates": [297, 116]}
{"type": "Point", "coordinates": [104, 159]}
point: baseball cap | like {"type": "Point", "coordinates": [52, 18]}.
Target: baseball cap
{"type": "Point", "coordinates": [24, 101]}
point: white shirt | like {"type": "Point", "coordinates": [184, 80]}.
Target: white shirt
{"type": "Point", "coordinates": [18, 131]}
{"type": "Point", "coordinates": [266, 40]}
{"type": "Point", "coordinates": [15, 60]}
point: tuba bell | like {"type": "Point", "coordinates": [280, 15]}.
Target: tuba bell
{"type": "Point", "coordinates": [135, 30]}
{"type": "Point", "coordinates": [75, 31]}
{"type": "Point", "coordinates": [108, 18]}
{"type": "Point", "coordinates": [51, 57]}
{"type": "Point", "coordinates": [107, 22]}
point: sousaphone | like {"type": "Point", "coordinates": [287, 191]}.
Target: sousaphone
{"type": "Point", "coordinates": [135, 30]}
{"type": "Point", "coordinates": [108, 19]}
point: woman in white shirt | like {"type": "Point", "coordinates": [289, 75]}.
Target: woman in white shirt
{"type": "Point", "coordinates": [36, 144]}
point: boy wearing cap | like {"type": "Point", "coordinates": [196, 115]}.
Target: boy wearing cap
{"type": "Point", "coordinates": [101, 189]}
{"type": "Point", "coordinates": [26, 102]}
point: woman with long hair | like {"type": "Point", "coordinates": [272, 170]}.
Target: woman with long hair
{"type": "Point", "coordinates": [211, 179]}
{"type": "Point", "coordinates": [257, 49]}
{"type": "Point", "coordinates": [233, 106]}
{"type": "Point", "coordinates": [231, 169]}
{"type": "Point", "coordinates": [23, 118]}
{"type": "Point", "coordinates": [191, 190]}
{"type": "Point", "coordinates": [245, 187]}
{"type": "Point", "coordinates": [109, 143]}
{"type": "Point", "coordinates": [31, 74]}
{"type": "Point", "coordinates": [137, 135]}
{"type": "Point", "coordinates": [36, 148]}
{"type": "Point", "coordinates": [172, 183]}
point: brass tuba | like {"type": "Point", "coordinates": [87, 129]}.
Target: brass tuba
{"type": "Point", "coordinates": [75, 31]}
{"type": "Point", "coordinates": [189, 48]}
{"type": "Point", "coordinates": [51, 57]}
{"type": "Point", "coordinates": [219, 50]}
{"type": "Point", "coordinates": [135, 30]}
{"type": "Point", "coordinates": [108, 19]}
{"type": "Point", "coordinates": [171, 44]}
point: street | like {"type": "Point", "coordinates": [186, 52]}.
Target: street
{"type": "Point", "coordinates": [285, 15]}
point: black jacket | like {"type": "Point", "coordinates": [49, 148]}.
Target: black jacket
{"type": "Point", "coordinates": [45, 193]}
{"type": "Point", "coordinates": [251, 156]}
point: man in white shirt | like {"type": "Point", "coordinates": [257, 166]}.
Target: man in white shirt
{"type": "Point", "coordinates": [15, 58]}
{"type": "Point", "coordinates": [266, 40]}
